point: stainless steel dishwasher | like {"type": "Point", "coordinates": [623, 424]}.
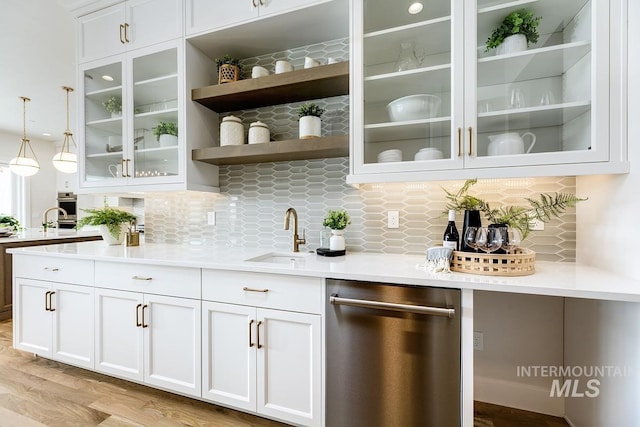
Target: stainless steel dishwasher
{"type": "Point", "coordinates": [393, 355]}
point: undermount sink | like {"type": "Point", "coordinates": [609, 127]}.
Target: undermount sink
{"type": "Point", "coordinates": [281, 257]}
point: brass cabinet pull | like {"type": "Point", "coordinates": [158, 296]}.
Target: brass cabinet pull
{"type": "Point", "coordinates": [138, 315]}
{"type": "Point", "coordinates": [124, 168]}
{"type": "Point", "coordinates": [144, 325]}
{"type": "Point", "coordinates": [254, 290]}
{"type": "Point", "coordinates": [51, 301]}
{"type": "Point", "coordinates": [127, 161]}
{"type": "Point", "coordinates": [258, 333]}
{"type": "Point", "coordinates": [141, 278]}
{"type": "Point", "coordinates": [46, 301]}
{"type": "Point", "coordinates": [121, 31]}
{"type": "Point", "coordinates": [470, 140]}
{"type": "Point", "coordinates": [459, 142]}
{"type": "Point", "coordinates": [126, 36]}
{"type": "Point", "coordinates": [253, 2]}
{"type": "Point", "coordinates": [250, 328]}
{"type": "Point", "coordinates": [261, 3]}
{"type": "Point", "coordinates": [52, 269]}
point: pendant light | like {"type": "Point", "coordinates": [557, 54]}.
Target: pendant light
{"type": "Point", "coordinates": [66, 161]}
{"type": "Point", "coordinates": [22, 164]}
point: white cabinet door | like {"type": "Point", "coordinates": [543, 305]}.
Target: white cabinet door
{"type": "Point", "coordinates": [152, 21]}
{"type": "Point", "coordinates": [270, 7]}
{"type": "Point", "coordinates": [119, 333]}
{"type": "Point", "coordinates": [229, 354]}
{"type": "Point", "coordinates": [101, 34]}
{"type": "Point", "coordinates": [72, 309]}
{"type": "Point", "coordinates": [207, 15]}
{"type": "Point", "coordinates": [32, 328]}
{"type": "Point", "coordinates": [290, 366]}
{"type": "Point", "coordinates": [172, 338]}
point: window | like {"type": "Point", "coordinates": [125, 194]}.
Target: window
{"type": "Point", "coordinates": [12, 194]}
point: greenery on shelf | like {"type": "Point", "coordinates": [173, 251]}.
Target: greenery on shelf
{"type": "Point", "coordinates": [9, 221]}
{"type": "Point", "coordinates": [521, 21]}
{"type": "Point", "coordinates": [111, 217]}
{"type": "Point", "coordinates": [165, 128]}
{"type": "Point", "coordinates": [226, 59]}
{"type": "Point", "coordinates": [336, 219]}
{"type": "Point", "coordinates": [113, 104]}
{"type": "Point", "coordinates": [310, 109]}
{"type": "Point", "coordinates": [523, 218]}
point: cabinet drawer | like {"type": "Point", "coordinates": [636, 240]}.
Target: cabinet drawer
{"type": "Point", "coordinates": [282, 292]}
{"type": "Point", "coordinates": [152, 279]}
{"type": "Point", "coordinates": [63, 270]}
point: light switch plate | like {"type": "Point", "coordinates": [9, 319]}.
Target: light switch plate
{"type": "Point", "coordinates": [211, 218]}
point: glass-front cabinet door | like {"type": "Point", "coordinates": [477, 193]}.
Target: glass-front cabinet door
{"type": "Point", "coordinates": [407, 86]}
{"type": "Point", "coordinates": [545, 103]}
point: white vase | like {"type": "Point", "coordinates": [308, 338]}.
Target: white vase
{"type": "Point", "coordinates": [166, 140]}
{"type": "Point", "coordinates": [336, 242]}
{"type": "Point", "coordinates": [109, 238]}
{"type": "Point", "coordinates": [512, 44]}
{"type": "Point", "coordinates": [310, 127]}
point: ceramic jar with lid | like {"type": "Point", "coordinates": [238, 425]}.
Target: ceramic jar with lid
{"type": "Point", "coordinates": [231, 131]}
{"type": "Point", "coordinates": [258, 133]}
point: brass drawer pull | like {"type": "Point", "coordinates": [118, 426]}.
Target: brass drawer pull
{"type": "Point", "coordinates": [144, 325]}
{"type": "Point", "coordinates": [459, 142]}
{"type": "Point", "coordinates": [121, 30]}
{"type": "Point", "coordinates": [258, 333]}
{"type": "Point", "coordinates": [51, 301]}
{"type": "Point", "coordinates": [126, 36]}
{"type": "Point", "coordinates": [255, 290]}
{"type": "Point", "coordinates": [138, 323]}
{"type": "Point", "coordinates": [141, 278]}
{"type": "Point", "coordinates": [46, 300]}
{"type": "Point", "coordinates": [470, 141]}
{"type": "Point", "coordinates": [250, 331]}
{"type": "Point", "coordinates": [52, 269]}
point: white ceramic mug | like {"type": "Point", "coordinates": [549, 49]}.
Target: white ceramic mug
{"type": "Point", "coordinates": [509, 143]}
{"type": "Point", "coordinates": [259, 71]}
{"type": "Point", "coordinates": [310, 62]}
{"type": "Point", "coordinates": [115, 169]}
{"type": "Point", "coordinates": [283, 67]}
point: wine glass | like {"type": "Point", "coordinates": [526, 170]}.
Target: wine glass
{"type": "Point", "coordinates": [512, 239]}
{"type": "Point", "coordinates": [469, 237]}
{"type": "Point", "coordinates": [489, 239]}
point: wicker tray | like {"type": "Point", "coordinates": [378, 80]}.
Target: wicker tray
{"type": "Point", "coordinates": [522, 263]}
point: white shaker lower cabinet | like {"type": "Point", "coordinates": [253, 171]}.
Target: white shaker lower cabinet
{"type": "Point", "coordinates": [148, 337]}
{"type": "Point", "coordinates": [260, 358]}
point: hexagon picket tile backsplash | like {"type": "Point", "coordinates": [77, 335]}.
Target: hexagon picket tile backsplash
{"type": "Point", "coordinates": [250, 209]}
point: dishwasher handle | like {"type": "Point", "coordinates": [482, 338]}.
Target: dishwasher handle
{"type": "Point", "coordinates": [405, 308]}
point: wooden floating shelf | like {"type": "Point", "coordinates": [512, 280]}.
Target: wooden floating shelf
{"type": "Point", "coordinates": [312, 83]}
{"type": "Point", "coordinates": [277, 151]}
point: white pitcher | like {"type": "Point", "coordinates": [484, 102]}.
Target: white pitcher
{"type": "Point", "coordinates": [509, 143]}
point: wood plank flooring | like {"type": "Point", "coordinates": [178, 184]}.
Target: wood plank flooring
{"type": "Point", "coordinates": [39, 392]}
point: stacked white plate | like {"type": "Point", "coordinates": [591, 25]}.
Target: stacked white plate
{"type": "Point", "coordinates": [390, 156]}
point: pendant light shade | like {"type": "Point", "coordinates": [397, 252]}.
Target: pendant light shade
{"type": "Point", "coordinates": [66, 161]}
{"type": "Point", "coordinates": [22, 164]}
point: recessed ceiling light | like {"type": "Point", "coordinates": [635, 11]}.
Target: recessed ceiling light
{"type": "Point", "coordinates": [415, 8]}
{"type": "Point", "coordinates": [107, 78]}
{"type": "Point", "coordinates": [46, 134]}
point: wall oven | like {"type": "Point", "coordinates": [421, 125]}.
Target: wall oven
{"type": "Point", "coordinates": [68, 202]}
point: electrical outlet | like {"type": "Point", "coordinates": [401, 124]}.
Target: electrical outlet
{"type": "Point", "coordinates": [393, 219]}
{"type": "Point", "coordinates": [211, 218]}
{"type": "Point", "coordinates": [478, 341]}
{"type": "Point", "coordinates": [537, 225]}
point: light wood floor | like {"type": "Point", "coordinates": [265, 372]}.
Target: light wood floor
{"type": "Point", "coordinates": [36, 392]}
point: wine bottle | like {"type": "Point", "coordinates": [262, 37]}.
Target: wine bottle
{"type": "Point", "coordinates": [451, 238]}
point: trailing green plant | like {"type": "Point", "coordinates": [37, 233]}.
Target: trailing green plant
{"type": "Point", "coordinates": [523, 218]}
{"type": "Point", "coordinates": [111, 217]}
{"type": "Point", "coordinates": [9, 221]}
{"type": "Point", "coordinates": [336, 219]}
{"type": "Point", "coordinates": [310, 109]}
{"type": "Point", "coordinates": [226, 59]}
{"type": "Point", "coordinates": [519, 22]}
{"type": "Point", "coordinates": [165, 128]}
{"type": "Point", "coordinates": [113, 104]}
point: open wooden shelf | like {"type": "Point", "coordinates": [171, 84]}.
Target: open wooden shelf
{"type": "Point", "coordinates": [277, 151]}
{"type": "Point", "coordinates": [300, 85]}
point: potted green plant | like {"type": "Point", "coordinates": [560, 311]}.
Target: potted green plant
{"type": "Point", "coordinates": [9, 222]}
{"type": "Point", "coordinates": [470, 205]}
{"type": "Point", "coordinates": [310, 122]}
{"type": "Point", "coordinates": [113, 104]}
{"type": "Point", "coordinates": [166, 133]}
{"type": "Point", "coordinates": [517, 31]}
{"type": "Point", "coordinates": [337, 221]}
{"type": "Point", "coordinates": [111, 222]}
{"type": "Point", "coordinates": [228, 69]}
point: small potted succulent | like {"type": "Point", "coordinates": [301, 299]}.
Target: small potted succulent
{"type": "Point", "coordinates": [310, 123]}
{"type": "Point", "coordinates": [228, 69]}
{"type": "Point", "coordinates": [113, 105]}
{"type": "Point", "coordinates": [166, 133]}
{"type": "Point", "coordinates": [337, 221]}
{"type": "Point", "coordinates": [111, 222]}
{"type": "Point", "coordinates": [517, 31]}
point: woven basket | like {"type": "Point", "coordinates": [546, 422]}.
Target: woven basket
{"type": "Point", "coordinates": [228, 73]}
{"type": "Point", "coordinates": [522, 263]}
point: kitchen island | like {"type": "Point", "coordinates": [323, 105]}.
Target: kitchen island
{"type": "Point", "coordinates": [31, 237]}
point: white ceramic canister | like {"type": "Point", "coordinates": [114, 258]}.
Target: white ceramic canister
{"type": "Point", "coordinates": [258, 133]}
{"type": "Point", "coordinates": [231, 131]}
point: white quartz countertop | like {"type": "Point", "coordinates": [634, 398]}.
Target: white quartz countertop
{"type": "Point", "coordinates": [32, 234]}
{"type": "Point", "coordinates": [559, 279]}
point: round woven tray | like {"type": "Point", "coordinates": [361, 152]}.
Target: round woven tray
{"type": "Point", "coordinates": [521, 263]}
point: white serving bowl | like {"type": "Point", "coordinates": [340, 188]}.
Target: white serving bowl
{"type": "Point", "coordinates": [414, 107]}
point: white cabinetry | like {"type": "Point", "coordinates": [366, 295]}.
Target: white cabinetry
{"type": "Point", "coordinates": [559, 89]}
{"type": "Point", "coordinates": [129, 25]}
{"type": "Point", "coordinates": [257, 354]}
{"type": "Point", "coordinates": [144, 336]}
{"type": "Point", "coordinates": [54, 319]}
